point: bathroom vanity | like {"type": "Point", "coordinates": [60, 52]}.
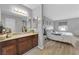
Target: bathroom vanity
{"type": "Point", "coordinates": [18, 44]}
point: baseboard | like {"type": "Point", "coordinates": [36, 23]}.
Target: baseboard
{"type": "Point", "coordinates": [40, 47]}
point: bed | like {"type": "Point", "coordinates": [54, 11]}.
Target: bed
{"type": "Point", "coordinates": [62, 37]}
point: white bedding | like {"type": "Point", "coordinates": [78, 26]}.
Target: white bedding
{"type": "Point", "coordinates": [64, 37]}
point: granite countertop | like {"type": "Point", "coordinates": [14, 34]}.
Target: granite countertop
{"type": "Point", "coordinates": [17, 36]}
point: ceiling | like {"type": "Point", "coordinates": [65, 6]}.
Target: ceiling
{"type": "Point", "coordinates": [61, 11]}
{"type": "Point", "coordinates": [31, 6]}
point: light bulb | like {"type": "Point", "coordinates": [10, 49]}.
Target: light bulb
{"type": "Point", "coordinates": [19, 11]}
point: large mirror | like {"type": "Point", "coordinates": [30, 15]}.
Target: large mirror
{"type": "Point", "coordinates": [15, 18]}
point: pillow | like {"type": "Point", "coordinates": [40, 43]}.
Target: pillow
{"type": "Point", "coordinates": [67, 33]}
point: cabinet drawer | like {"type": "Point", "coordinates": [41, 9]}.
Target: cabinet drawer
{"type": "Point", "coordinates": [35, 36]}
{"type": "Point", "coordinates": [6, 43]}
{"type": "Point", "coordinates": [23, 39]}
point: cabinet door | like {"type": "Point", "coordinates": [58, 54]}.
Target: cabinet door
{"type": "Point", "coordinates": [25, 45]}
{"type": "Point", "coordinates": [29, 46]}
{"type": "Point", "coordinates": [9, 50]}
{"type": "Point", "coordinates": [22, 47]}
{"type": "Point", "coordinates": [35, 40]}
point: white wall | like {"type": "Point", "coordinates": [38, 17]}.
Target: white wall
{"type": "Point", "coordinates": [61, 11]}
{"type": "Point", "coordinates": [37, 12]}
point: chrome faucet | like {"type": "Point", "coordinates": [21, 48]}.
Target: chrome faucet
{"type": "Point", "coordinates": [7, 31]}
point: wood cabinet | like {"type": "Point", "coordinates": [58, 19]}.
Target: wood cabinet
{"type": "Point", "coordinates": [9, 50]}
{"type": "Point", "coordinates": [35, 41]}
{"type": "Point", "coordinates": [9, 47]}
{"type": "Point", "coordinates": [24, 44]}
{"type": "Point", "coordinates": [27, 43]}
{"type": "Point", "coordinates": [19, 45]}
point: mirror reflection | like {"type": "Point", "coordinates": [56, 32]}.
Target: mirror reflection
{"type": "Point", "coordinates": [16, 18]}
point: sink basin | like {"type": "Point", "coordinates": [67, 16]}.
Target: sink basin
{"type": "Point", "coordinates": [16, 33]}
{"type": "Point", "coordinates": [3, 36]}
{"type": "Point", "coordinates": [19, 33]}
{"type": "Point", "coordinates": [10, 35]}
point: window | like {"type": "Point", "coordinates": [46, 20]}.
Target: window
{"type": "Point", "coordinates": [63, 28]}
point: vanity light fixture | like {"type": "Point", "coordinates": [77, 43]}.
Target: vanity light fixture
{"type": "Point", "coordinates": [19, 11]}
